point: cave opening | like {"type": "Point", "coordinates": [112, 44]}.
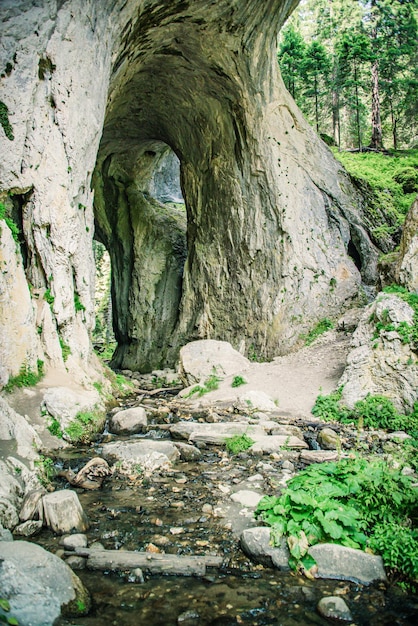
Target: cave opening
{"type": "Point", "coordinates": [141, 223]}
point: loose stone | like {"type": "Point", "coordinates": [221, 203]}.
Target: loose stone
{"type": "Point", "coordinates": [334, 607]}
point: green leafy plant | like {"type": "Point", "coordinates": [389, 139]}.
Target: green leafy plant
{"type": "Point", "coordinates": [374, 411]}
{"type": "Point", "coordinates": [318, 330]}
{"type": "Point", "coordinates": [344, 502]}
{"type": "Point", "coordinates": [45, 470]}
{"type": "Point", "coordinates": [26, 377]}
{"type": "Point", "coordinates": [238, 443]}
{"type": "Point", "coordinates": [7, 619]}
{"type": "Point", "coordinates": [210, 384]}
{"type": "Point", "coordinates": [48, 297]}
{"type": "Point", "coordinates": [237, 381]}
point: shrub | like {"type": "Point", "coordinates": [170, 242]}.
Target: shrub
{"type": "Point", "coordinates": [237, 381]}
{"type": "Point", "coordinates": [210, 384]}
{"type": "Point", "coordinates": [44, 469]}
{"type": "Point", "coordinates": [352, 502]}
{"type": "Point", "coordinates": [407, 178]}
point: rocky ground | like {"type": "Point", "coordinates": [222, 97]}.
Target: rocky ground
{"type": "Point", "coordinates": [160, 484]}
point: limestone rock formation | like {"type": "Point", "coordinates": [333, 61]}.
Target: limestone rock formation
{"type": "Point", "coordinates": [407, 266]}
{"type": "Point", "coordinates": [380, 363]}
{"type": "Point", "coordinates": [116, 88]}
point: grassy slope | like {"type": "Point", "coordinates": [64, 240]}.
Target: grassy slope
{"type": "Point", "coordinates": [379, 171]}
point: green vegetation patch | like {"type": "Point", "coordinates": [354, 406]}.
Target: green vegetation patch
{"type": "Point", "coordinates": [356, 503]}
{"type": "Point", "coordinates": [10, 223]}
{"type": "Point", "coordinates": [318, 330]}
{"type": "Point", "coordinates": [375, 411]}
{"type": "Point", "coordinates": [7, 619]}
{"type": "Point", "coordinates": [84, 426]}
{"type": "Point", "coordinates": [238, 443]}
{"type": "Point", "coordinates": [391, 176]}
{"type": "Point", "coordinates": [44, 470]}
{"type": "Point", "coordinates": [210, 384]}
{"type": "Point", "coordinates": [27, 377]}
{"type": "Point", "coordinates": [237, 381]}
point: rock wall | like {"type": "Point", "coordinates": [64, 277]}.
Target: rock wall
{"type": "Point", "coordinates": [271, 216]}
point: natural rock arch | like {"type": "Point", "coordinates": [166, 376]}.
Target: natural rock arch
{"type": "Point", "coordinates": [270, 214]}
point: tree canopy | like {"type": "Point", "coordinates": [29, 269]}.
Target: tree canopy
{"type": "Point", "coordinates": [352, 67]}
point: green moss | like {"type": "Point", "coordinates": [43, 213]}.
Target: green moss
{"type": "Point", "coordinates": [10, 223]}
{"type": "Point", "coordinates": [48, 297]}
{"type": "Point", "coordinates": [4, 121]}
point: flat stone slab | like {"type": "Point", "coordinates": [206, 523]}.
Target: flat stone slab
{"type": "Point", "coordinates": [341, 563]}
{"type": "Point", "coordinates": [215, 433]}
{"type": "Point", "coordinates": [274, 443]}
{"type": "Point", "coordinates": [255, 542]}
{"type": "Point", "coordinates": [318, 456]}
{"type": "Point", "coordinates": [247, 498]}
{"type": "Point", "coordinates": [139, 451]}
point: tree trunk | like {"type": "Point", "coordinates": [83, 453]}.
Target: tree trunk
{"type": "Point", "coordinates": [377, 141]}
{"type": "Point", "coordinates": [357, 110]}
{"type": "Point", "coordinates": [316, 104]}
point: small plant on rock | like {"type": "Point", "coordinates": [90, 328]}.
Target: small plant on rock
{"type": "Point", "coordinates": [238, 443]}
{"type": "Point", "coordinates": [318, 330]}
{"type": "Point", "coordinates": [237, 381]}
{"type": "Point", "coordinates": [45, 470]}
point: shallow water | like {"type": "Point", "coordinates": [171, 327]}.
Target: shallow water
{"type": "Point", "coordinates": [131, 512]}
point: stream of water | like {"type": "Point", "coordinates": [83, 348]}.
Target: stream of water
{"type": "Point", "coordinates": [175, 511]}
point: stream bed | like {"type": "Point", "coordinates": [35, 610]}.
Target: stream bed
{"type": "Point", "coordinates": [187, 510]}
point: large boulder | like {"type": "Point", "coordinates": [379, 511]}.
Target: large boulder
{"type": "Point", "coordinates": [128, 421]}
{"type": "Point", "coordinates": [380, 363]}
{"type": "Point", "coordinates": [64, 403]}
{"type": "Point", "coordinates": [17, 430]}
{"type": "Point", "coordinates": [201, 359]}
{"type": "Point", "coordinates": [38, 585]}
{"type": "Point", "coordinates": [341, 563]}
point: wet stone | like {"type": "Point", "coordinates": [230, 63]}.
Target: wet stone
{"type": "Point", "coordinates": [334, 607]}
{"type": "Point", "coordinates": [328, 439]}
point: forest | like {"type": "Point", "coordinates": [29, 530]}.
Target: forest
{"type": "Point", "coordinates": [352, 67]}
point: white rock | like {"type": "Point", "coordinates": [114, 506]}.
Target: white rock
{"type": "Point", "coordinates": [201, 359]}
{"type": "Point", "coordinates": [63, 512]}
{"type": "Point", "coordinates": [252, 400]}
{"type": "Point", "coordinates": [128, 421]}
{"type": "Point", "coordinates": [247, 498]}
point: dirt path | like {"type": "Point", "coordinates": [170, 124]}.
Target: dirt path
{"type": "Point", "coordinates": [295, 380]}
